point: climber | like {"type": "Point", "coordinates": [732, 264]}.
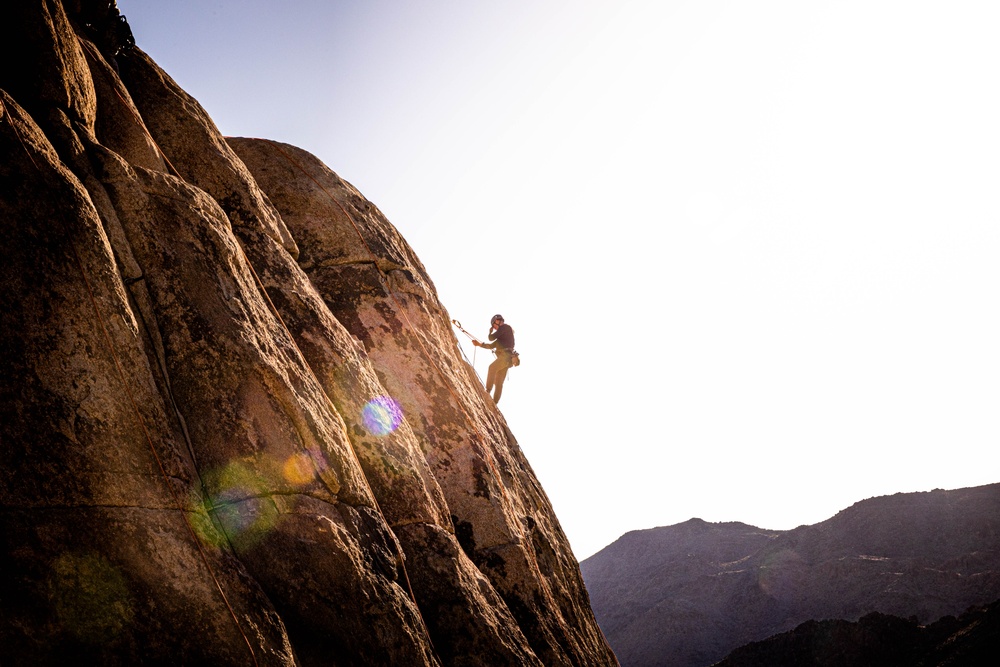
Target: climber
{"type": "Point", "coordinates": [503, 346]}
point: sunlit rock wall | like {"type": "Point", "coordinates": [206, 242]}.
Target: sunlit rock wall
{"type": "Point", "coordinates": [234, 425]}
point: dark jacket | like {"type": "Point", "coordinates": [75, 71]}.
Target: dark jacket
{"type": "Point", "coordinates": [503, 339]}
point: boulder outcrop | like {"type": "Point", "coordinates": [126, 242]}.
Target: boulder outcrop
{"type": "Point", "coordinates": [235, 427]}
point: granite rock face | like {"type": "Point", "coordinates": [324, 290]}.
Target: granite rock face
{"type": "Point", "coordinates": [235, 427]}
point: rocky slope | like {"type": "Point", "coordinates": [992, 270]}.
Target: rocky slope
{"type": "Point", "coordinates": [688, 594]}
{"type": "Point", "coordinates": [235, 428]}
{"type": "Point", "coordinates": [971, 640]}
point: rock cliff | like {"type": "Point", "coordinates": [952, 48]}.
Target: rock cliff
{"type": "Point", "coordinates": [688, 594]}
{"type": "Point", "coordinates": [235, 428]}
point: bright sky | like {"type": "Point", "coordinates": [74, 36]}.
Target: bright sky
{"type": "Point", "coordinates": [750, 250]}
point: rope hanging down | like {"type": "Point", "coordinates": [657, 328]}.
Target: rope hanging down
{"type": "Point", "coordinates": [399, 555]}
{"type": "Point", "coordinates": [475, 348]}
{"type": "Point", "coordinates": [260, 285]}
{"type": "Point", "coordinates": [159, 462]}
{"type": "Point", "coordinates": [181, 507]}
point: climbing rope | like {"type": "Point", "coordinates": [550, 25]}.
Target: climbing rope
{"type": "Point", "coordinates": [95, 53]}
{"type": "Point", "coordinates": [156, 456]}
{"type": "Point", "coordinates": [260, 286]}
{"type": "Point", "coordinates": [474, 348]}
{"type": "Point", "coordinates": [458, 325]}
{"type": "Point", "coordinates": [142, 423]}
{"type": "Point", "coordinates": [472, 363]}
{"type": "Point", "coordinates": [138, 415]}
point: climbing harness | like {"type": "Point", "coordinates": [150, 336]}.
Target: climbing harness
{"type": "Point", "coordinates": [515, 356]}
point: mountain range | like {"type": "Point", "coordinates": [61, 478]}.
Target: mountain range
{"type": "Point", "coordinates": [970, 640]}
{"type": "Point", "coordinates": [687, 595]}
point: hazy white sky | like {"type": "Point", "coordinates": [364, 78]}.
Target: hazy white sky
{"type": "Point", "coordinates": [750, 250]}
